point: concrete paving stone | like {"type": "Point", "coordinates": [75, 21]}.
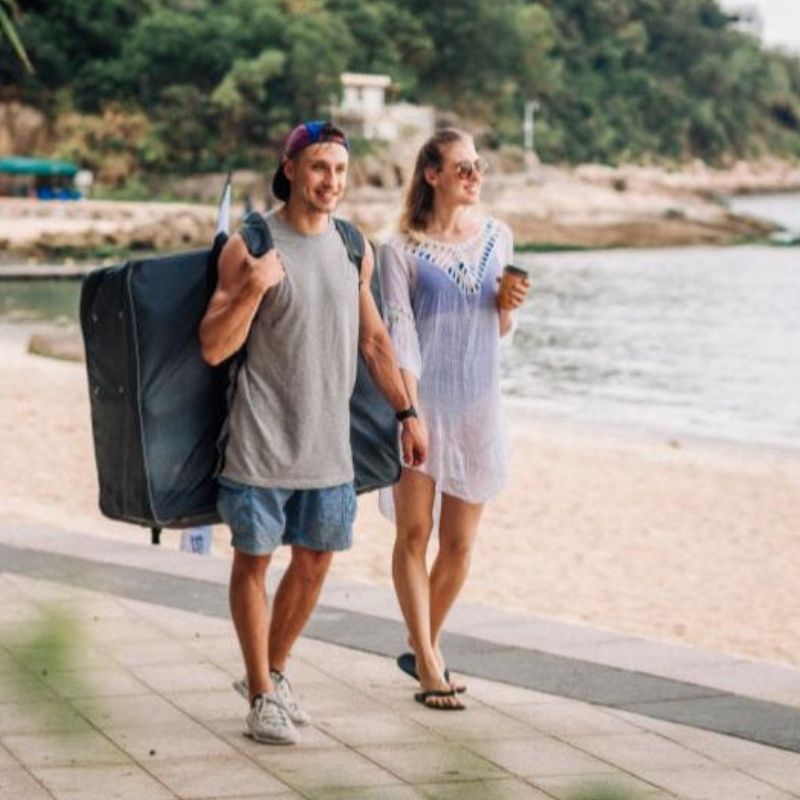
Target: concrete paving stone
{"type": "Point", "coordinates": [732, 751]}
{"type": "Point", "coordinates": [47, 591]}
{"type": "Point", "coordinates": [361, 597]}
{"type": "Point", "coordinates": [7, 663]}
{"type": "Point", "coordinates": [127, 631]}
{"type": "Point", "coordinates": [786, 698]}
{"type": "Point", "coordinates": [152, 653]}
{"type": "Point", "coordinates": [17, 783]}
{"type": "Point", "coordinates": [423, 763]}
{"type": "Point", "coordinates": [473, 723]}
{"type": "Point", "coordinates": [24, 684]}
{"type": "Point", "coordinates": [373, 727]}
{"type": "Point", "coordinates": [568, 719]}
{"type": "Point", "coordinates": [218, 648]}
{"type": "Point", "coordinates": [564, 787]}
{"type": "Point", "coordinates": [216, 777]}
{"type": "Point", "coordinates": [300, 670]}
{"type": "Point", "coordinates": [234, 733]}
{"type": "Point", "coordinates": [39, 716]}
{"type": "Point", "coordinates": [95, 609]}
{"type": "Point", "coordinates": [538, 756]}
{"type": "Point", "coordinates": [634, 752]}
{"type": "Point", "coordinates": [785, 777]}
{"type": "Point", "coordinates": [391, 697]}
{"type": "Point", "coordinates": [116, 782]}
{"type": "Point", "coordinates": [654, 658]}
{"type": "Point", "coordinates": [222, 704]}
{"type": "Point", "coordinates": [751, 719]}
{"type": "Point", "coordinates": [188, 740]}
{"type": "Point", "coordinates": [326, 770]}
{"type": "Point", "coordinates": [577, 680]}
{"type": "Point", "coordinates": [9, 591]}
{"type": "Point", "coordinates": [284, 795]}
{"type": "Point", "coordinates": [180, 677]}
{"type": "Point", "coordinates": [714, 784]}
{"type": "Point", "coordinates": [395, 791]}
{"type": "Point", "coordinates": [748, 678]}
{"type": "Point", "coordinates": [94, 683]}
{"type": "Point", "coordinates": [5, 758]}
{"type": "Point", "coordinates": [182, 625]}
{"type": "Point", "coordinates": [505, 789]}
{"type": "Point", "coordinates": [64, 749]}
{"type": "Point", "coordinates": [20, 611]}
{"type": "Point", "coordinates": [129, 711]}
{"type": "Point", "coordinates": [504, 693]}
{"type": "Point", "coordinates": [321, 699]}
{"type": "Point", "coordinates": [356, 669]}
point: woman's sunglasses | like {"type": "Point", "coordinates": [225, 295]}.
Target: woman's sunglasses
{"type": "Point", "coordinates": [466, 169]}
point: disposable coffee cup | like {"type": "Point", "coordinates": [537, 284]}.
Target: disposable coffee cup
{"type": "Point", "coordinates": [512, 276]}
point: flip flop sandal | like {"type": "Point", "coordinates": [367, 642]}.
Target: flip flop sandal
{"type": "Point", "coordinates": [423, 697]}
{"type": "Point", "coordinates": [408, 663]}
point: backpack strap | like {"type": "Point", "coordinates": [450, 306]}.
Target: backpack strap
{"type": "Point", "coordinates": [353, 241]}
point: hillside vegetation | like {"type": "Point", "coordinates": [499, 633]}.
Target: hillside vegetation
{"type": "Point", "coordinates": [132, 87]}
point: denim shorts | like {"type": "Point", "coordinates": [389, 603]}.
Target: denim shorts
{"type": "Point", "coordinates": [262, 519]}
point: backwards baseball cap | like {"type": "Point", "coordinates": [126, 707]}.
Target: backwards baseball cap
{"type": "Point", "coordinates": [304, 135]}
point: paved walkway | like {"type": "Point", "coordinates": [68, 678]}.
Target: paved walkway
{"type": "Point", "coordinates": [115, 670]}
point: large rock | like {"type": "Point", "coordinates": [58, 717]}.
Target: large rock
{"type": "Point", "coordinates": [64, 345]}
{"type": "Point", "coordinates": [23, 130]}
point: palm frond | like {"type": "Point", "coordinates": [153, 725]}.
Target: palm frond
{"type": "Point", "coordinates": [10, 32]}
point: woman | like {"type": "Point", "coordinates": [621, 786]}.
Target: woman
{"type": "Point", "coordinates": [440, 278]}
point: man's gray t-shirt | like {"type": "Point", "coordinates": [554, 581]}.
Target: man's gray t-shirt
{"type": "Point", "coordinates": [290, 418]}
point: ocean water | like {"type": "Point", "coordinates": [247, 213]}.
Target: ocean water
{"type": "Point", "coordinates": [701, 341]}
{"type": "Point", "coordinates": [697, 341]}
{"type": "Point", "coordinates": [783, 209]}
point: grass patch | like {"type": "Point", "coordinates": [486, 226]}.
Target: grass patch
{"type": "Point", "coordinates": [550, 247]}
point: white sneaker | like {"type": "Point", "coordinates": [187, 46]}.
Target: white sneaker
{"type": "Point", "coordinates": [284, 693]}
{"type": "Point", "coordinates": [268, 721]}
{"type": "Point", "coordinates": [288, 700]}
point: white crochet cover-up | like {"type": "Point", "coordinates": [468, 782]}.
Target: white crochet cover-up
{"type": "Point", "coordinates": [440, 308]}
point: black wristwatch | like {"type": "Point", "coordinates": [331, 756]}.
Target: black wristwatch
{"type": "Point", "coordinates": [406, 413]}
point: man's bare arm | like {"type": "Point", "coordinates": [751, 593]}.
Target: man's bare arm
{"type": "Point", "coordinates": [242, 282]}
{"type": "Point", "coordinates": [376, 347]}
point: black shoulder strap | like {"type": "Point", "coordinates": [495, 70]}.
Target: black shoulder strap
{"type": "Point", "coordinates": [353, 241]}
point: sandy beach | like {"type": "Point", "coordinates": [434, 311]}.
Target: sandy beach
{"type": "Point", "coordinates": [685, 541]}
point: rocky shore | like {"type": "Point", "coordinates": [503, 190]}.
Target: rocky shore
{"type": "Point", "coordinates": [586, 206]}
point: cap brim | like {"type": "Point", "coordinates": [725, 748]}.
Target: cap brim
{"type": "Point", "coordinates": [281, 187]}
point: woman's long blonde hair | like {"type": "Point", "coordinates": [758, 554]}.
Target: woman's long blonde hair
{"type": "Point", "coordinates": [418, 206]}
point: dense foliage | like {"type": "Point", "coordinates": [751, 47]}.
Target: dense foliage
{"type": "Point", "coordinates": [214, 83]}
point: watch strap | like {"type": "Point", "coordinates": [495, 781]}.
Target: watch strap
{"type": "Point", "coordinates": [406, 413]}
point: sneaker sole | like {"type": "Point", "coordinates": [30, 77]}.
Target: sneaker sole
{"type": "Point", "coordinates": [268, 740]}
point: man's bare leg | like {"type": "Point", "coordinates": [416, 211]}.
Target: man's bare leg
{"type": "Point", "coordinates": [295, 601]}
{"type": "Point", "coordinates": [251, 617]}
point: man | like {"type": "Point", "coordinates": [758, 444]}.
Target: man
{"type": "Point", "coordinates": [288, 473]}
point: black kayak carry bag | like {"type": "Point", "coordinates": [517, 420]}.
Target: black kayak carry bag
{"type": "Point", "coordinates": [158, 409]}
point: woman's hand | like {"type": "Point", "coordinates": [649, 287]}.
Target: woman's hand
{"type": "Point", "coordinates": [515, 296]}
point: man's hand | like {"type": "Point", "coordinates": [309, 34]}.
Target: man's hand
{"type": "Point", "coordinates": [264, 272]}
{"type": "Point", "coordinates": [414, 442]}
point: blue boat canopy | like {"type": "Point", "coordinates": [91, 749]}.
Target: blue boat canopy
{"type": "Point", "coordinates": [20, 165]}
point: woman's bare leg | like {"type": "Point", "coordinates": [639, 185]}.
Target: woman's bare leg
{"type": "Point", "coordinates": [458, 529]}
{"type": "Point", "coordinates": [413, 499]}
